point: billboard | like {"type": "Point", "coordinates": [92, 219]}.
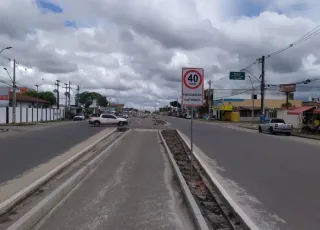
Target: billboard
{"type": "Point", "coordinates": [4, 96]}
{"type": "Point", "coordinates": [287, 88]}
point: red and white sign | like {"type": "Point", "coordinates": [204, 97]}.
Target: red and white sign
{"type": "Point", "coordinates": [192, 86]}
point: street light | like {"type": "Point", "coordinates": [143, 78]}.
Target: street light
{"type": "Point", "coordinates": [7, 48]}
{"type": "Point", "coordinates": [8, 73]}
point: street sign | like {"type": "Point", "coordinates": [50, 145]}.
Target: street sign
{"type": "Point", "coordinates": [192, 86]}
{"type": "Point", "coordinates": [237, 76]}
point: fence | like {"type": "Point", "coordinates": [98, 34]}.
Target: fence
{"type": "Point", "coordinates": [30, 115]}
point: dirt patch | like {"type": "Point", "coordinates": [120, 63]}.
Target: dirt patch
{"type": "Point", "coordinates": [159, 122]}
{"type": "Point", "coordinates": [214, 208]}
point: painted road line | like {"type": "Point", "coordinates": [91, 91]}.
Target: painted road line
{"type": "Point", "coordinates": [13, 200]}
{"type": "Point", "coordinates": [28, 220]}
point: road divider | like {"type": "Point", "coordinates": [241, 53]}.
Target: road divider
{"type": "Point", "coordinates": [8, 204]}
{"type": "Point", "coordinates": [193, 207]}
{"type": "Point", "coordinates": [40, 210]}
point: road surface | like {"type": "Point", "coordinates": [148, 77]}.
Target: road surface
{"type": "Point", "coordinates": [133, 188]}
{"type": "Point", "coordinates": [281, 172]}
{"type": "Point", "coordinates": [25, 150]}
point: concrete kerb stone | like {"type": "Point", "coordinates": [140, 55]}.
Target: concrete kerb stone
{"type": "Point", "coordinates": [246, 220]}
{"type": "Point", "coordinates": [196, 213]}
{"type": "Point", "coordinates": [12, 201]}
{"type": "Point", "coordinates": [33, 216]}
{"type": "Point", "coordinates": [292, 134]}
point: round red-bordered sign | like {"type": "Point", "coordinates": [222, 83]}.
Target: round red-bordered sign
{"type": "Point", "coordinates": [185, 81]}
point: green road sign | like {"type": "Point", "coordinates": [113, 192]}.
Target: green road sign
{"type": "Point", "coordinates": [237, 76]}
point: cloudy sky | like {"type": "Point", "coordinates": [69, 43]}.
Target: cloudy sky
{"type": "Point", "coordinates": [133, 50]}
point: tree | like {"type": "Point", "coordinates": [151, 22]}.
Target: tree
{"type": "Point", "coordinates": [285, 104]}
{"type": "Point", "coordinates": [86, 98]}
{"type": "Point", "coordinates": [175, 104]}
{"type": "Point", "coordinates": [44, 95]}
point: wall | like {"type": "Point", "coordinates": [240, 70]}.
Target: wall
{"type": "Point", "coordinates": [292, 119]}
{"type": "Point", "coordinates": [30, 114]}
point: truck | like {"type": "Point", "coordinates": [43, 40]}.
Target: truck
{"type": "Point", "coordinates": [107, 119]}
{"type": "Point", "coordinates": [276, 125]}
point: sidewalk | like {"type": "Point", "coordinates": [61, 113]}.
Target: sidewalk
{"type": "Point", "coordinates": [294, 133]}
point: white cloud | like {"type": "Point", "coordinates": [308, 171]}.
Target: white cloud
{"type": "Point", "coordinates": [133, 50]}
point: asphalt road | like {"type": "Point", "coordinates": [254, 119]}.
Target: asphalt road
{"type": "Point", "coordinates": [25, 150]}
{"type": "Point", "coordinates": [281, 172]}
{"type": "Point", "coordinates": [133, 188]}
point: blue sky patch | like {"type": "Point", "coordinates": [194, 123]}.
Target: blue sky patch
{"type": "Point", "coordinates": [72, 24]}
{"type": "Point", "coordinates": [47, 6]}
{"type": "Point", "coordinates": [249, 8]}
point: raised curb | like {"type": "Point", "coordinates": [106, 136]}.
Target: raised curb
{"type": "Point", "coordinates": [6, 205]}
{"type": "Point", "coordinates": [292, 134]}
{"type": "Point", "coordinates": [246, 220]}
{"type": "Point", "coordinates": [33, 216]}
{"type": "Point", "coordinates": [196, 213]}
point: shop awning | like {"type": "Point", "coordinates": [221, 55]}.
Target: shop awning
{"type": "Point", "coordinates": [299, 110]}
{"type": "Point", "coordinates": [317, 111]}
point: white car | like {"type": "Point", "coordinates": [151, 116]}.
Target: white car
{"type": "Point", "coordinates": [188, 116]}
{"type": "Point", "coordinates": [107, 119]}
{"type": "Point", "coordinates": [79, 118]}
{"type": "Point", "coordinates": [125, 116]}
{"type": "Point", "coordinates": [275, 126]}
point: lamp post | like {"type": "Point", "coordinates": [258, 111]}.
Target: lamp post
{"type": "Point", "coordinates": [7, 48]}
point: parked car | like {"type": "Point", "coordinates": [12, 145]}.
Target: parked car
{"type": "Point", "coordinates": [275, 126]}
{"type": "Point", "coordinates": [79, 118]}
{"type": "Point", "coordinates": [107, 119]}
{"type": "Point", "coordinates": [125, 116]}
{"type": "Point", "coordinates": [188, 116]}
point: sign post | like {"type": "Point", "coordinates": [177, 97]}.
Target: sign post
{"type": "Point", "coordinates": [192, 95]}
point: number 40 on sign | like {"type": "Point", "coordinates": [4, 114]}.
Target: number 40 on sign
{"type": "Point", "coordinates": [192, 86]}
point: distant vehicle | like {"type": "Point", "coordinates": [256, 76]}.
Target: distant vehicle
{"type": "Point", "coordinates": [188, 116]}
{"type": "Point", "coordinates": [79, 118]}
{"type": "Point", "coordinates": [125, 116]}
{"type": "Point", "coordinates": [107, 119]}
{"type": "Point", "coordinates": [274, 126]}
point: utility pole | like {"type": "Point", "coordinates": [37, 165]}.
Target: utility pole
{"type": "Point", "coordinates": [14, 96]}
{"type": "Point", "coordinates": [209, 100]}
{"type": "Point", "coordinates": [37, 103]}
{"type": "Point", "coordinates": [66, 100]}
{"type": "Point", "coordinates": [262, 88]}
{"type": "Point", "coordinates": [77, 96]}
{"type": "Point", "coordinates": [57, 90]}
{"type": "Point", "coordinates": [69, 100]}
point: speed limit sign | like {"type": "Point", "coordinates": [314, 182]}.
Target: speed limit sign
{"type": "Point", "coordinates": [192, 86]}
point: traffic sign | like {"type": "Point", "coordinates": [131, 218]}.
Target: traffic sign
{"type": "Point", "coordinates": [192, 86]}
{"type": "Point", "coordinates": [237, 76]}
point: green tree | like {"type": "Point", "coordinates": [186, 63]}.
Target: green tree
{"type": "Point", "coordinates": [175, 104]}
{"type": "Point", "coordinates": [44, 95]}
{"type": "Point", "coordinates": [86, 98]}
{"type": "Point", "coordinates": [285, 104]}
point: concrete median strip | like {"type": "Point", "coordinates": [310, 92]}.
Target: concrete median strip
{"type": "Point", "coordinates": [8, 204]}
{"type": "Point", "coordinates": [195, 211]}
{"type": "Point", "coordinates": [33, 216]}
{"type": "Point", "coordinates": [248, 222]}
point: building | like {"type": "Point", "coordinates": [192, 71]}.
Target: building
{"type": "Point", "coordinates": [25, 101]}
{"type": "Point", "coordinates": [236, 109]}
{"type": "Point", "coordinates": [116, 107]}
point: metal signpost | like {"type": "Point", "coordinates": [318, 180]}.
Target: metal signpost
{"type": "Point", "coordinates": [192, 95]}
